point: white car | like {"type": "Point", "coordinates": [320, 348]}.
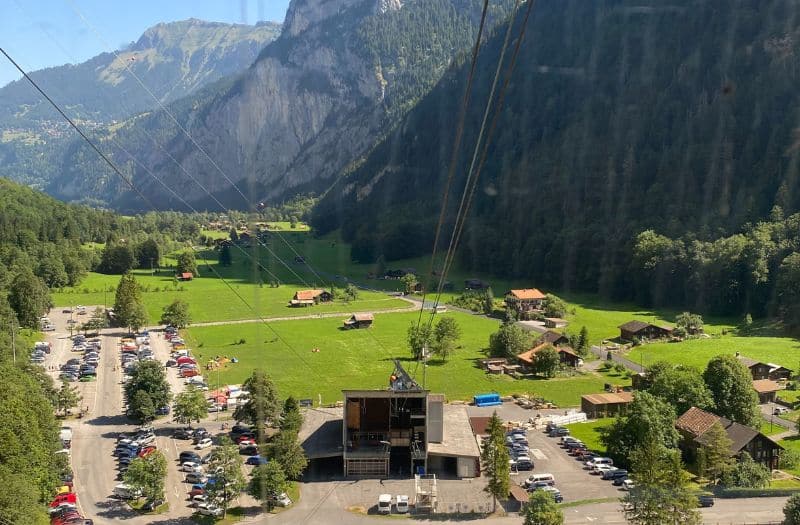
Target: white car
{"type": "Point", "coordinates": [627, 484]}
{"type": "Point", "coordinates": [282, 500]}
{"type": "Point", "coordinates": [191, 466]}
{"type": "Point", "coordinates": [209, 509]}
{"type": "Point", "coordinates": [402, 504]}
{"type": "Point", "coordinates": [599, 469]}
{"type": "Point", "coordinates": [204, 443]}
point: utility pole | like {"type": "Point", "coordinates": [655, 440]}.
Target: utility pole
{"type": "Point", "coordinates": [13, 340]}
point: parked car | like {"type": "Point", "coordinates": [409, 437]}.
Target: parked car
{"type": "Point", "coordinates": [209, 509]}
{"type": "Point", "coordinates": [256, 460]}
{"type": "Point", "coordinates": [780, 410]}
{"type": "Point", "coordinates": [524, 463]}
{"type": "Point", "coordinates": [627, 484]}
{"type": "Point", "coordinates": [183, 433]}
{"type": "Point", "coordinates": [189, 455]}
{"type": "Point", "coordinates": [558, 432]}
{"type": "Point", "coordinates": [705, 500]}
{"type": "Point", "coordinates": [402, 504]}
{"type": "Point", "coordinates": [196, 477]}
{"type": "Point", "coordinates": [204, 443]}
{"type": "Point", "coordinates": [600, 469]}
{"type": "Point", "coordinates": [197, 489]}
{"type": "Point", "coordinates": [190, 466]}
{"type": "Point", "coordinates": [249, 450]}
{"type": "Point", "coordinates": [615, 473]}
{"type": "Point", "coordinates": [557, 497]}
{"type": "Point", "coordinates": [385, 504]}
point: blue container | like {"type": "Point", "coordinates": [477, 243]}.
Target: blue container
{"type": "Point", "coordinates": [487, 400]}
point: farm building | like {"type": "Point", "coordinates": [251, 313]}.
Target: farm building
{"type": "Point", "coordinates": [565, 355]}
{"type": "Point", "coordinates": [359, 321]}
{"type": "Point", "coordinates": [185, 276]}
{"type": "Point", "coordinates": [310, 297]}
{"type": "Point", "coordinates": [757, 369]}
{"type": "Point", "coordinates": [475, 284]}
{"type": "Point", "coordinates": [643, 331]}
{"type": "Point", "coordinates": [694, 423]}
{"type": "Point", "coordinates": [552, 337]}
{"type": "Point", "coordinates": [554, 322]}
{"type": "Point", "coordinates": [605, 405]}
{"type": "Point", "coordinates": [524, 301]}
{"type": "Point", "coordinates": [766, 389]}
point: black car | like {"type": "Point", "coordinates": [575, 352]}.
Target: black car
{"type": "Point", "coordinates": [249, 450]}
{"type": "Point", "coordinates": [183, 433]}
{"type": "Point", "coordinates": [705, 500]}
{"type": "Point", "coordinates": [558, 432]}
{"type": "Point", "coordinates": [152, 505]}
{"type": "Point", "coordinates": [238, 430]}
{"type": "Point", "coordinates": [189, 456]}
{"type": "Point", "coordinates": [615, 473]}
{"type": "Point", "coordinates": [524, 465]}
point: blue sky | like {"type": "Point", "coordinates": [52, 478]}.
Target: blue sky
{"type": "Point", "coordinates": [44, 33]}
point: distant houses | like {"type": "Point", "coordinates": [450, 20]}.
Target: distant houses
{"type": "Point", "coordinates": [525, 301]}
{"type": "Point", "coordinates": [766, 389]}
{"type": "Point", "coordinates": [359, 321]}
{"type": "Point", "coordinates": [643, 331]}
{"type": "Point", "coordinates": [693, 425]}
{"type": "Point", "coordinates": [310, 297]}
{"type": "Point", "coordinates": [761, 370]}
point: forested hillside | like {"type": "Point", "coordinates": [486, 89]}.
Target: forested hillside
{"type": "Point", "coordinates": [314, 102]}
{"type": "Point", "coordinates": [172, 60]}
{"type": "Point", "coordinates": [621, 116]}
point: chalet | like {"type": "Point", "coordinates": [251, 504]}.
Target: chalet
{"type": "Point", "coordinates": [642, 331]}
{"type": "Point", "coordinates": [766, 389]}
{"type": "Point", "coordinates": [566, 356]}
{"type": "Point", "coordinates": [778, 372]}
{"type": "Point", "coordinates": [605, 405]}
{"type": "Point", "coordinates": [185, 276]}
{"type": "Point", "coordinates": [757, 369]}
{"type": "Point", "coordinates": [524, 301]}
{"type": "Point", "coordinates": [359, 321]}
{"type": "Point", "coordinates": [553, 337]}
{"type": "Point", "coordinates": [694, 423]}
{"type": "Point", "coordinates": [475, 284]}
{"type": "Point", "coordinates": [310, 297]}
{"type": "Point", "coordinates": [554, 322]}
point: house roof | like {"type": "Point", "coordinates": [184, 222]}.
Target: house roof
{"type": "Point", "coordinates": [773, 367]}
{"type": "Point", "coordinates": [567, 350]}
{"type": "Point", "coordinates": [186, 275]}
{"type": "Point", "coordinates": [609, 399]}
{"type": "Point", "coordinates": [764, 386]}
{"type": "Point", "coordinates": [746, 361]}
{"type": "Point", "coordinates": [527, 293]}
{"type": "Point", "coordinates": [551, 337]}
{"type": "Point", "coordinates": [307, 295]}
{"type": "Point", "coordinates": [696, 421]}
{"type": "Point", "coordinates": [527, 356]}
{"type": "Point", "coordinates": [636, 326]}
{"type": "Point", "coordinates": [362, 317]}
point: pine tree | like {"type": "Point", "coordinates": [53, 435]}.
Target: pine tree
{"type": "Point", "coordinates": [262, 406]}
{"type": "Point", "coordinates": [716, 452]}
{"type": "Point", "coordinates": [225, 258]}
{"type": "Point", "coordinates": [128, 306]}
{"type": "Point", "coordinates": [583, 341]}
{"type": "Point", "coordinates": [495, 460]}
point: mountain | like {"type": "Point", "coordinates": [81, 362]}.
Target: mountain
{"type": "Point", "coordinates": [621, 116]}
{"type": "Point", "coordinates": [173, 60]}
{"type": "Point", "coordinates": [314, 102]}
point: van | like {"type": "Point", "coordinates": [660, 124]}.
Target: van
{"type": "Point", "coordinates": [599, 461]}
{"type": "Point", "coordinates": [123, 491]}
{"type": "Point", "coordinates": [402, 504]}
{"type": "Point", "coordinates": [541, 477]}
{"type": "Point", "coordinates": [385, 504]}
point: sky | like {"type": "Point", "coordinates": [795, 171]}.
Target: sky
{"type": "Point", "coordinates": [45, 33]}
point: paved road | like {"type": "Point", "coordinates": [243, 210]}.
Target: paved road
{"type": "Point", "coordinates": [630, 365]}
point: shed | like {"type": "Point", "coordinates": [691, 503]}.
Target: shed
{"type": "Point", "coordinates": [766, 389]}
{"type": "Point", "coordinates": [185, 276]}
{"type": "Point", "coordinates": [310, 297]}
{"type": "Point", "coordinates": [518, 497]}
{"type": "Point", "coordinates": [554, 322]}
{"type": "Point", "coordinates": [605, 405]}
{"type": "Point", "coordinates": [359, 321]}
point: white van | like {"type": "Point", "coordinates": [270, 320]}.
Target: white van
{"type": "Point", "coordinates": [123, 491]}
{"type": "Point", "coordinates": [543, 477]}
{"type": "Point", "coordinates": [385, 504]}
{"type": "Point", "coordinates": [402, 504]}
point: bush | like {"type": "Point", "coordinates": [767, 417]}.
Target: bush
{"type": "Point", "coordinates": [790, 458]}
{"type": "Point", "coordinates": [791, 511]}
{"type": "Point", "coordinates": [619, 368]}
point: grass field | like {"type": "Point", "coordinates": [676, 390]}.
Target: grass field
{"type": "Point", "coordinates": [590, 433]}
{"type": "Point", "coordinates": [357, 359]}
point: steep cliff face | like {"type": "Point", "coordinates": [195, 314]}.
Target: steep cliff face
{"type": "Point", "coordinates": [312, 104]}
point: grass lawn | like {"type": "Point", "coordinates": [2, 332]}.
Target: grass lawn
{"type": "Point", "coordinates": [234, 515]}
{"type": "Point", "coordinates": [697, 352]}
{"type": "Point", "coordinates": [211, 300]}
{"type": "Point", "coordinates": [770, 429]}
{"type": "Point", "coordinates": [791, 443]}
{"type": "Point", "coordinates": [789, 395]}
{"type": "Point", "coordinates": [589, 433]}
{"type": "Point", "coordinates": [363, 359]}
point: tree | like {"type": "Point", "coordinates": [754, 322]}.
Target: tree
{"type": "Point", "coordinates": [286, 450]}
{"type": "Point", "coordinates": [716, 449]}
{"type": "Point", "coordinates": [542, 510]}
{"type": "Point", "coordinates": [262, 406]}
{"type": "Point", "coordinates": [647, 419]}
{"type": "Point", "coordinates": [495, 460]}
{"type": "Point", "coordinates": [445, 335]}
{"type": "Point", "coordinates": [554, 306]}
{"type": "Point", "coordinates": [116, 259]}
{"type": "Point", "coordinates": [128, 306]}
{"type": "Point", "coordinates": [190, 405]}
{"type": "Point", "coordinates": [488, 302]}
{"type": "Point", "coordinates": [291, 418]}
{"type": "Point", "coordinates": [546, 361]}
{"type": "Point", "coordinates": [147, 377]}
{"type": "Point", "coordinates": [350, 292]}
{"type": "Point", "coordinates": [787, 289]}
{"type": "Point", "coordinates": [410, 283]}
{"type": "Point", "coordinates": [731, 387]}
{"type": "Point", "coordinates": [148, 475]}
{"type": "Point", "coordinates": [791, 511]}
{"type": "Point", "coordinates": [418, 337]}
{"type": "Point", "coordinates": [67, 397]}
{"type": "Point", "coordinates": [148, 255]}
{"type": "Point", "coordinates": [225, 258]}
{"type": "Point", "coordinates": [96, 322]}
{"type": "Point", "coordinates": [746, 473]}
{"type": "Point", "coordinates": [186, 263]}
{"type": "Point", "coordinates": [680, 386]}
{"type": "Point", "coordinates": [226, 464]}
{"type": "Point", "coordinates": [509, 341]}
{"type": "Point", "coordinates": [691, 323]}
{"type": "Point", "coordinates": [267, 482]}
{"type": "Point", "coordinates": [29, 298]}
{"type": "Point", "coordinates": [583, 341]}
{"type": "Point", "coordinates": [176, 314]}
{"type": "Point", "coordinates": [141, 406]}
{"type": "Point", "coordinates": [233, 234]}
{"type": "Point", "coordinates": [661, 493]}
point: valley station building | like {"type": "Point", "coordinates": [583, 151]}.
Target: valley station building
{"type": "Point", "coordinates": [398, 432]}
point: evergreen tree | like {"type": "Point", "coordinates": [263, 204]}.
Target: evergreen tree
{"type": "Point", "coordinates": [29, 298]}
{"type": "Point", "coordinates": [225, 258]}
{"type": "Point", "coordinates": [148, 254]}
{"type": "Point", "coordinates": [583, 341]}
{"type": "Point", "coordinates": [267, 482]}
{"type": "Point", "coordinates": [116, 259]}
{"type": "Point", "coordinates": [291, 418]}
{"type": "Point", "coordinates": [262, 407]}
{"type": "Point", "coordinates": [716, 449]}
{"type": "Point", "coordinates": [176, 314]}
{"type": "Point", "coordinates": [731, 387]}
{"type": "Point", "coordinates": [488, 302]}
{"type": "Point", "coordinates": [286, 450]}
{"type": "Point", "coordinates": [67, 397]}
{"type": "Point", "coordinates": [233, 234]}
{"type": "Point", "coordinates": [128, 306]}
{"type": "Point", "coordinates": [495, 460]}
{"type": "Point", "coordinates": [541, 509]}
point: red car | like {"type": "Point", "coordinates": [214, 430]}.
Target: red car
{"type": "Point", "coordinates": [146, 451]}
{"type": "Point", "coordinates": [186, 360]}
{"type": "Point", "coordinates": [189, 372]}
{"type": "Point", "coordinates": [246, 439]}
{"type": "Point", "coordinates": [196, 491]}
{"type": "Point", "coordinates": [69, 497]}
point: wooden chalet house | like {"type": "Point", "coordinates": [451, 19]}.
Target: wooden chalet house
{"type": "Point", "coordinates": [643, 331]}
{"type": "Point", "coordinates": [525, 301]}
